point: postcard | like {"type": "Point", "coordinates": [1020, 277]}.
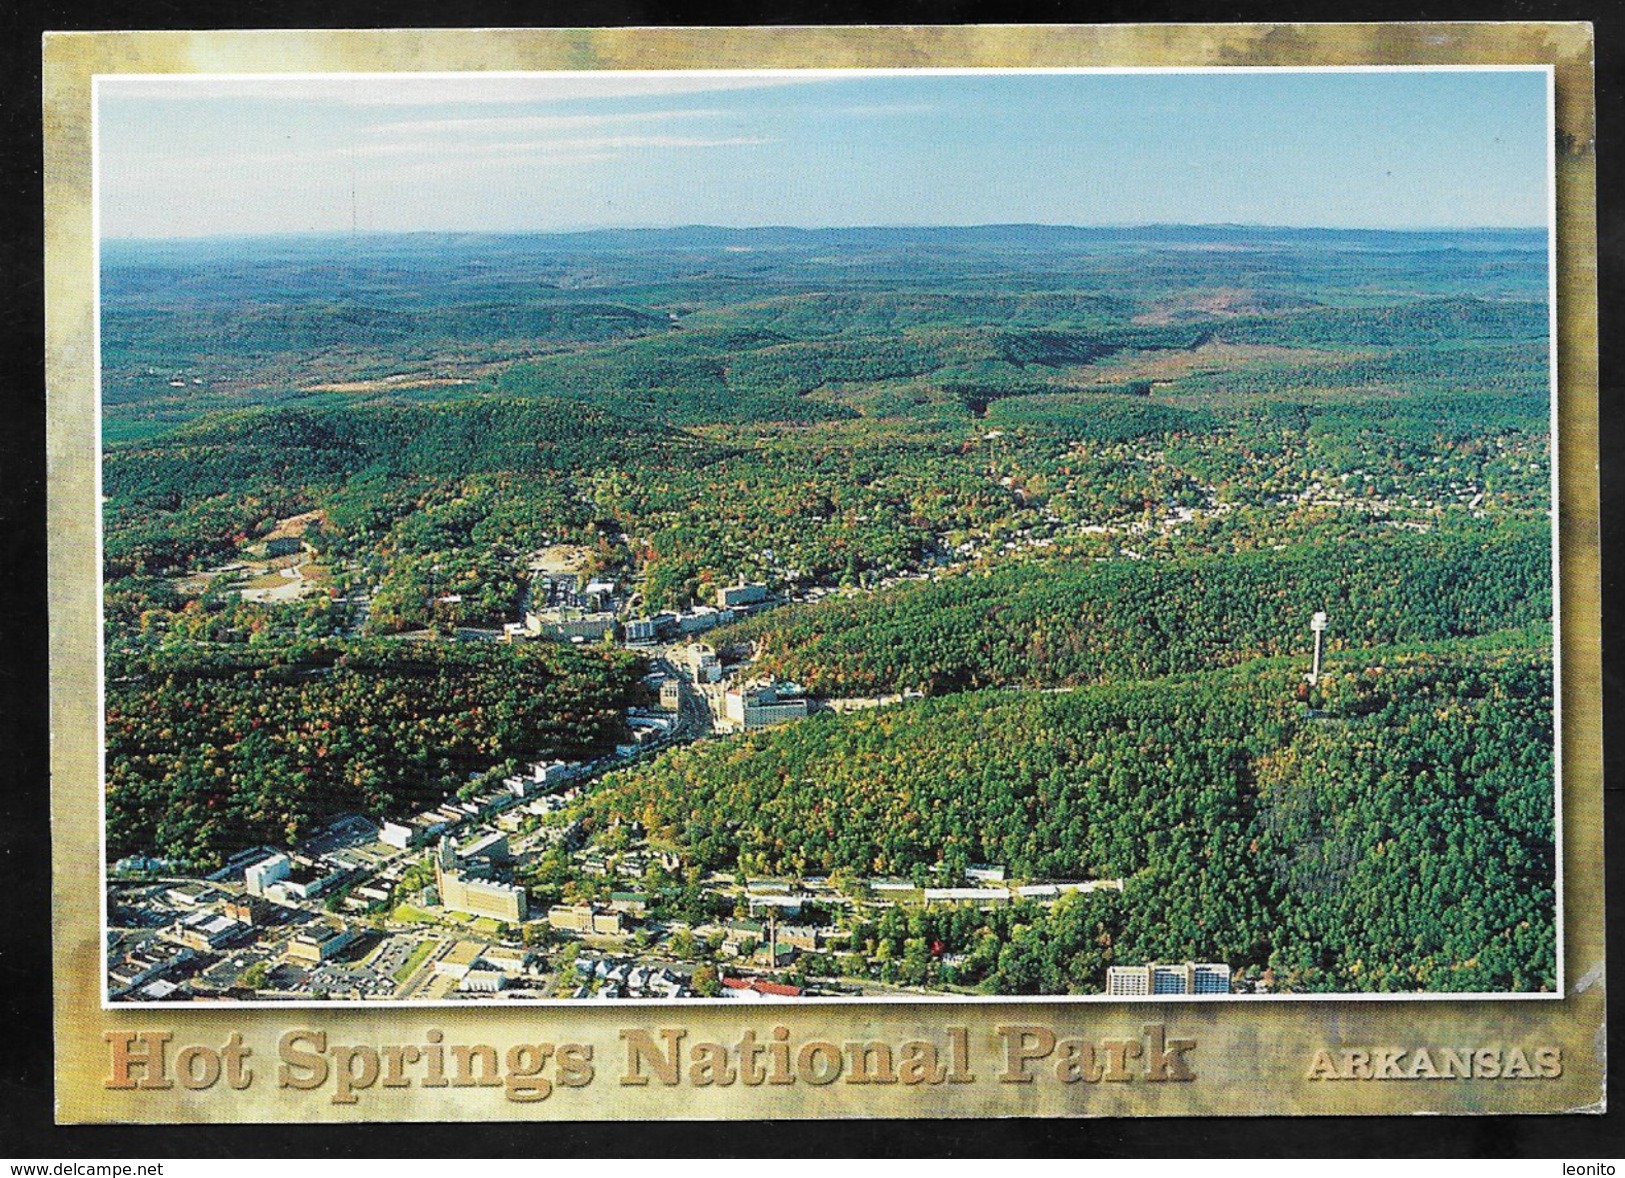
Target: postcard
{"type": "Point", "coordinates": [795, 573]}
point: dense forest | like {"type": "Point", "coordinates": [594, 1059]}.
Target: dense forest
{"type": "Point", "coordinates": [1062, 622]}
{"type": "Point", "coordinates": [214, 748]}
{"type": "Point", "coordinates": [202, 490]}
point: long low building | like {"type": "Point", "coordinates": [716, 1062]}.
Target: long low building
{"type": "Point", "coordinates": [789, 901]}
{"type": "Point", "coordinates": [319, 944]}
{"type": "Point", "coordinates": [585, 918]}
{"type": "Point", "coordinates": [570, 622]}
{"type": "Point", "coordinates": [206, 930]}
{"type": "Point", "coordinates": [483, 897]}
{"type": "Point", "coordinates": [762, 705]}
{"type": "Point", "coordinates": [985, 896]}
{"type": "Point", "coordinates": [1050, 891]}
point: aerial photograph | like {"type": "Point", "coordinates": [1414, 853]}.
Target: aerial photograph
{"type": "Point", "coordinates": [827, 535]}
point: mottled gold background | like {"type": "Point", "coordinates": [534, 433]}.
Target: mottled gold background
{"type": "Point", "coordinates": [1252, 1056]}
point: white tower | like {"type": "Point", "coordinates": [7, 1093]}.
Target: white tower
{"type": "Point", "coordinates": [1318, 625]}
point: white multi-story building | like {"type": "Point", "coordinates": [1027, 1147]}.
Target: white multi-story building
{"type": "Point", "coordinates": [641, 630]}
{"type": "Point", "coordinates": [731, 596]}
{"type": "Point", "coordinates": [397, 834]}
{"type": "Point", "coordinates": [259, 876]}
{"type": "Point", "coordinates": [759, 705]}
{"type": "Point", "coordinates": [1191, 977]}
{"type": "Point", "coordinates": [569, 622]}
{"type": "Point", "coordinates": [703, 617]}
{"type": "Point", "coordinates": [703, 663]}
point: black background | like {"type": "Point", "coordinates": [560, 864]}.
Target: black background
{"type": "Point", "coordinates": [26, 1129]}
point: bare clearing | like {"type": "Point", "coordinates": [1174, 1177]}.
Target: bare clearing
{"type": "Point", "coordinates": [1164, 365]}
{"type": "Point", "coordinates": [561, 558]}
{"type": "Point", "coordinates": [384, 384]}
{"type": "Point", "coordinates": [294, 525]}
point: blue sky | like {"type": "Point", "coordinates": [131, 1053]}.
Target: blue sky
{"type": "Point", "coordinates": [182, 156]}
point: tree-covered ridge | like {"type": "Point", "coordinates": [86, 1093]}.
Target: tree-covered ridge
{"type": "Point", "coordinates": [494, 434]}
{"type": "Point", "coordinates": [979, 332]}
{"type": "Point", "coordinates": [1451, 368]}
{"type": "Point", "coordinates": [1412, 323]}
{"type": "Point", "coordinates": [810, 510]}
{"type": "Point", "coordinates": [1066, 622]}
{"type": "Point", "coordinates": [867, 311]}
{"type": "Point", "coordinates": [1415, 848]}
{"type": "Point", "coordinates": [303, 327]}
{"type": "Point", "coordinates": [190, 328]}
{"type": "Point", "coordinates": [1398, 838]}
{"type": "Point", "coordinates": [200, 491]}
{"type": "Point", "coordinates": [471, 486]}
{"type": "Point", "coordinates": [214, 748]}
{"type": "Point", "coordinates": [1096, 414]}
{"type": "Point", "coordinates": [760, 361]}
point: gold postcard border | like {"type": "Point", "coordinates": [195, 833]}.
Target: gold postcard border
{"type": "Point", "coordinates": [1254, 1056]}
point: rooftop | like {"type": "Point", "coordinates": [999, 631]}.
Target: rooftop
{"type": "Point", "coordinates": [463, 953]}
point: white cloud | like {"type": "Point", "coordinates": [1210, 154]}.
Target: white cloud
{"type": "Point", "coordinates": [454, 147]}
{"type": "Point", "coordinates": [437, 89]}
{"type": "Point", "coordinates": [435, 152]}
{"type": "Point", "coordinates": [509, 124]}
{"type": "Point", "coordinates": [889, 110]}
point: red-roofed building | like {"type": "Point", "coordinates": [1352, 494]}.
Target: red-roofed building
{"type": "Point", "coordinates": [763, 986]}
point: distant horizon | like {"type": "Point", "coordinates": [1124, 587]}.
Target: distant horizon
{"type": "Point", "coordinates": [374, 234]}
{"type": "Point", "coordinates": [189, 156]}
